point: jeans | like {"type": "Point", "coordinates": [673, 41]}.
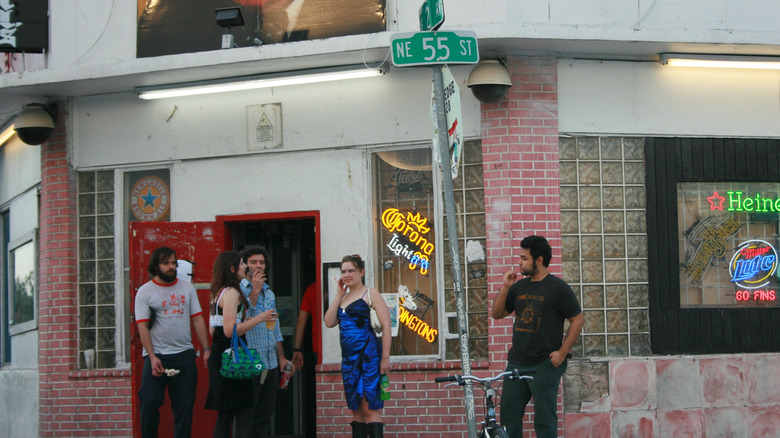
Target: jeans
{"type": "Point", "coordinates": [265, 403]}
{"type": "Point", "coordinates": [181, 390]}
{"type": "Point", "coordinates": [544, 390]}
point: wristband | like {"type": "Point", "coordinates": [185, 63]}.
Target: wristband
{"type": "Point", "coordinates": [206, 348]}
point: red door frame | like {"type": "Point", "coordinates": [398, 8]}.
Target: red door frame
{"type": "Point", "coordinates": [196, 241]}
{"type": "Point", "coordinates": [222, 227]}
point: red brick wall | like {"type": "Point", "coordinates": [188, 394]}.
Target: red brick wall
{"type": "Point", "coordinates": [520, 159]}
{"type": "Point", "coordinates": [72, 402]}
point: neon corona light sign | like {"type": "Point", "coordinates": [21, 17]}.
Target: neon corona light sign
{"type": "Point", "coordinates": [757, 203]}
{"type": "Point", "coordinates": [412, 229]}
{"type": "Point", "coordinates": [752, 267]}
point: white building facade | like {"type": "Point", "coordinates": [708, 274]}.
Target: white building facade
{"type": "Point", "coordinates": [597, 146]}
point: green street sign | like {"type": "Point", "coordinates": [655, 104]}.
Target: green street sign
{"type": "Point", "coordinates": [426, 48]}
{"type": "Point", "coordinates": [431, 14]}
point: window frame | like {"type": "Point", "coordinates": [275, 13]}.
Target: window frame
{"type": "Point", "coordinates": [677, 330]}
{"type": "Point", "coordinates": [30, 237]}
{"type": "Point", "coordinates": [377, 249]}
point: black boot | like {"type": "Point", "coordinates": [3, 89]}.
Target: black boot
{"type": "Point", "coordinates": [376, 430]}
{"type": "Point", "coordinates": [358, 429]}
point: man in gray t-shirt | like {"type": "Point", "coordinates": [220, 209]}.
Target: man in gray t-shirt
{"type": "Point", "coordinates": [164, 309]}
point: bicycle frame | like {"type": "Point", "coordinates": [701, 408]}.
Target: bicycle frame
{"type": "Point", "coordinates": [490, 427]}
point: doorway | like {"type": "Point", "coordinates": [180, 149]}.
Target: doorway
{"type": "Point", "coordinates": [292, 252]}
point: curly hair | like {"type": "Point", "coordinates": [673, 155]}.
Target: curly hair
{"type": "Point", "coordinates": [538, 246]}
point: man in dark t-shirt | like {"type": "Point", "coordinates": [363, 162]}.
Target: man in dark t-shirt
{"type": "Point", "coordinates": [541, 303]}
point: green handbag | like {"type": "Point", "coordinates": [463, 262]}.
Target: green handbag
{"type": "Point", "coordinates": [240, 362]}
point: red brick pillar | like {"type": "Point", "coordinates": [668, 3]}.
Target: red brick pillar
{"type": "Point", "coordinates": [58, 267]}
{"type": "Point", "coordinates": [72, 402]}
{"type": "Point", "coordinates": [521, 174]}
{"type": "Point", "coordinates": [520, 159]}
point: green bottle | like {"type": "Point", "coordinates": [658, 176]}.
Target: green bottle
{"type": "Point", "coordinates": [384, 386]}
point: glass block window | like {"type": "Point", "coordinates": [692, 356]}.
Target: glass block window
{"type": "Point", "coordinates": [97, 308]}
{"type": "Point", "coordinates": [470, 217]}
{"type": "Point", "coordinates": [604, 242]}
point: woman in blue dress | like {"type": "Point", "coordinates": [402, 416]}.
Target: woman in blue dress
{"type": "Point", "coordinates": [364, 357]}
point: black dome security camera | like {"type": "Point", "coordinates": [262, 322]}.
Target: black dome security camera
{"type": "Point", "coordinates": [35, 123]}
{"type": "Point", "coordinates": [489, 81]}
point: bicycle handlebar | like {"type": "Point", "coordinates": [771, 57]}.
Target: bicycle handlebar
{"type": "Point", "coordinates": [445, 379]}
{"type": "Point", "coordinates": [514, 375]}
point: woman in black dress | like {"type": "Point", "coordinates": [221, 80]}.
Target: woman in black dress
{"type": "Point", "coordinates": [230, 398]}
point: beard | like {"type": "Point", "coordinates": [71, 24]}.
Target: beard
{"type": "Point", "coordinates": [168, 278]}
{"type": "Point", "coordinates": [531, 272]}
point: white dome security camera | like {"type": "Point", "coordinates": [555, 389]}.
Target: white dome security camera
{"type": "Point", "coordinates": [489, 81]}
{"type": "Point", "coordinates": [34, 124]}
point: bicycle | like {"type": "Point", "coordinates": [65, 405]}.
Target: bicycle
{"type": "Point", "coordinates": [490, 427]}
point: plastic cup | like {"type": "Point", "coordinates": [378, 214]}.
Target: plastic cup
{"type": "Point", "coordinates": [270, 325]}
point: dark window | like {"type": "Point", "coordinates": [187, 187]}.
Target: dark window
{"type": "Point", "coordinates": [5, 352]}
{"type": "Point", "coordinates": [695, 304]}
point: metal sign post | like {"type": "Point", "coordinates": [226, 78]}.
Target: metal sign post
{"type": "Point", "coordinates": [452, 231]}
{"type": "Point", "coordinates": [436, 49]}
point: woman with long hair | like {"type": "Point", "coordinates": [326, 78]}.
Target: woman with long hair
{"type": "Point", "coordinates": [230, 398]}
{"type": "Point", "coordinates": [364, 359]}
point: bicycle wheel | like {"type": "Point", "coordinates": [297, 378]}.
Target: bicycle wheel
{"type": "Point", "coordinates": [499, 432]}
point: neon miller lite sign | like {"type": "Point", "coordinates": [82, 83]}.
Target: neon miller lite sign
{"type": "Point", "coordinates": [752, 267]}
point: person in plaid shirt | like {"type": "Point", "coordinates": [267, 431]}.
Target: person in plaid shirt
{"type": "Point", "coordinates": [268, 342]}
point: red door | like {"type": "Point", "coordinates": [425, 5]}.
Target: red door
{"type": "Point", "coordinates": [197, 242]}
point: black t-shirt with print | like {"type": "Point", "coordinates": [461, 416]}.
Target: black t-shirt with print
{"type": "Point", "coordinates": [540, 308]}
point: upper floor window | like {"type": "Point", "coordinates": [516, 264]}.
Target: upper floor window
{"type": "Point", "coordinates": [185, 26]}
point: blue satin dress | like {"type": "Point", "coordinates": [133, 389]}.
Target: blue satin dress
{"type": "Point", "coordinates": [361, 353]}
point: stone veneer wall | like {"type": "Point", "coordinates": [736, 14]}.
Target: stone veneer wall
{"type": "Point", "coordinates": [691, 396]}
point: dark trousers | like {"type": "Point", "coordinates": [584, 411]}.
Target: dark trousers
{"type": "Point", "coordinates": [265, 403]}
{"type": "Point", "coordinates": [181, 390]}
{"type": "Point", "coordinates": [544, 390]}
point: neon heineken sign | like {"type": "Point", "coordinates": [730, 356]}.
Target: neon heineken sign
{"type": "Point", "coordinates": [736, 201]}
{"type": "Point", "coordinates": [409, 239]}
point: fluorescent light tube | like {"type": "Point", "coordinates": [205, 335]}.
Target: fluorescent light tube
{"type": "Point", "coordinates": [719, 61]}
{"type": "Point", "coordinates": [7, 134]}
{"type": "Point", "coordinates": [253, 82]}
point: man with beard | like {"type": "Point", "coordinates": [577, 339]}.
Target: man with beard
{"type": "Point", "coordinates": [164, 309]}
{"type": "Point", "coordinates": [541, 303]}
